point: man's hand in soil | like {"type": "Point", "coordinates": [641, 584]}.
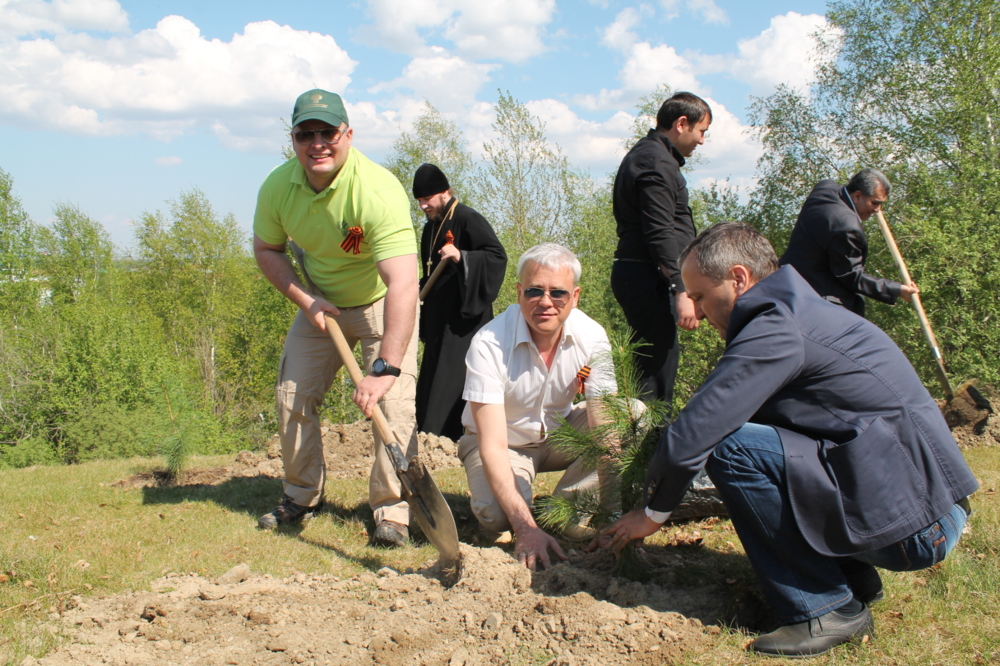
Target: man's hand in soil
{"type": "Point", "coordinates": [318, 310]}
{"type": "Point", "coordinates": [532, 547]}
{"type": "Point", "coordinates": [370, 391]}
{"type": "Point", "coordinates": [634, 525]}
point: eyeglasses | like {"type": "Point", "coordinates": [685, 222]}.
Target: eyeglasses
{"type": "Point", "coordinates": [329, 135]}
{"type": "Point", "coordinates": [558, 296]}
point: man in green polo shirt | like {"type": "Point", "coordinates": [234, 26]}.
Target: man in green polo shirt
{"type": "Point", "coordinates": [352, 218]}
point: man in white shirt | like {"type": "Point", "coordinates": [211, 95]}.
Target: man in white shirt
{"type": "Point", "coordinates": [523, 370]}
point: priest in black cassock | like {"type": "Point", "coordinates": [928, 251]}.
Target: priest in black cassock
{"type": "Point", "coordinates": [458, 303]}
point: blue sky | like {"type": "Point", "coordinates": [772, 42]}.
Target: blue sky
{"type": "Point", "coordinates": [119, 106]}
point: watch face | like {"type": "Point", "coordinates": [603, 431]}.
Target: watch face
{"type": "Point", "coordinates": [378, 367]}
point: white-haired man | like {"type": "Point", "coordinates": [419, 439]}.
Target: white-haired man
{"type": "Point", "coordinates": [523, 370]}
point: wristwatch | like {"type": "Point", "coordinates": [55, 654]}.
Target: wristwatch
{"type": "Point", "coordinates": [381, 368]}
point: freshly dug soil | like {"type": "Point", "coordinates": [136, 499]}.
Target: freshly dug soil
{"type": "Point", "coordinates": [575, 613]}
{"type": "Point", "coordinates": [348, 449]}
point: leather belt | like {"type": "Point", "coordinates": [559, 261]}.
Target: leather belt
{"type": "Point", "coordinates": [966, 506]}
{"type": "Point", "coordinates": [635, 261]}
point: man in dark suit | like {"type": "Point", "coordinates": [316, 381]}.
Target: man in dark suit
{"type": "Point", "coordinates": [830, 455]}
{"type": "Point", "coordinates": [828, 246]}
{"type": "Point", "coordinates": [654, 224]}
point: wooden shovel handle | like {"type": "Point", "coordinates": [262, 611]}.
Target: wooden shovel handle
{"type": "Point", "coordinates": [378, 418]}
{"type": "Point", "coordinates": [925, 324]}
{"type": "Point", "coordinates": [433, 278]}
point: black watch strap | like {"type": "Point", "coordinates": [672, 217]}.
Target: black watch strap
{"type": "Point", "coordinates": [381, 367]}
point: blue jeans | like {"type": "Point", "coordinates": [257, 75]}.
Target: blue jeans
{"type": "Point", "coordinates": [748, 469]}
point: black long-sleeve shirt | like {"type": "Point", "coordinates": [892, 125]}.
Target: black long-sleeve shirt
{"type": "Point", "coordinates": [651, 206]}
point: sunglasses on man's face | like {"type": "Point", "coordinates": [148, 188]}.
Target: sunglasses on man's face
{"type": "Point", "coordinates": [558, 296]}
{"type": "Point", "coordinates": [330, 135]}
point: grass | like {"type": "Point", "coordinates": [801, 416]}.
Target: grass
{"type": "Point", "coordinates": [67, 531]}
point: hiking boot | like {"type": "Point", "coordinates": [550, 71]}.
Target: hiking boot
{"type": "Point", "coordinates": [815, 636]}
{"type": "Point", "coordinates": [390, 534]}
{"type": "Point", "coordinates": [288, 513]}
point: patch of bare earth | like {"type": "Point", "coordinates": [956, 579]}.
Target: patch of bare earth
{"type": "Point", "coordinates": [347, 447]}
{"type": "Point", "coordinates": [575, 613]}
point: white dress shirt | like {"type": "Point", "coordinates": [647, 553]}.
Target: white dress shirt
{"type": "Point", "coordinates": [504, 367]}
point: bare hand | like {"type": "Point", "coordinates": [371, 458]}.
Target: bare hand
{"type": "Point", "coordinates": [317, 312]}
{"type": "Point", "coordinates": [532, 547]}
{"type": "Point", "coordinates": [634, 525]}
{"type": "Point", "coordinates": [370, 391]}
{"type": "Point", "coordinates": [450, 253]}
{"type": "Point", "coordinates": [686, 318]}
{"type": "Point", "coordinates": [906, 291]}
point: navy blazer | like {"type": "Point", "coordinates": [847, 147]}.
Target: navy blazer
{"type": "Point", "coordinates": [869, 459]}
{"type": "Point", "coordinates": [828, 247]}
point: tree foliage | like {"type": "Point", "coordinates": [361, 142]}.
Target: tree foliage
{"type": "Point", "coordinates": [436, 139]}
{"type": "Point", "coordinates": [911, 88]}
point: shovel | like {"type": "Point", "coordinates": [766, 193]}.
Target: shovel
{"type": "Point", "coordinates": [429, 507]}
{"type": "Point", "coordinates": [449, 240]}
{"type": "Point", "coordinates": [969, 393]}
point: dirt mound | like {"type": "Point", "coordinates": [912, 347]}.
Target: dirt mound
{"type": "Point", "coordinates": [575, 613]}
{"type": "Point", "coordinates": [347, 447]}
{"type": "Point", "coordinates": [972, 418]}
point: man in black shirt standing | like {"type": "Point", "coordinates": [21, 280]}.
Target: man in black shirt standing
{"type": "Point", "coordinates": [654, 226]}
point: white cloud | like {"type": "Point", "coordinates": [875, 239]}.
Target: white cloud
{"type": "Point", "coordinates": [170, 161]}
{"type": "Point", "coordinates": [646, 66]}
{"type": "Point", "coordinates": [449, 82]}
{"type": "Point", "coordinates": [784, 52]}
{"type": "Point", "coordinates": [31, 17]}
{"type": "Point", "coordinates": [512, 30]}
{"type": "Point", "coordinates": [706, 9]}
{"type": "Point", "coordinates": [167, 80]}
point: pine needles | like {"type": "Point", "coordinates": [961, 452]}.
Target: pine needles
{"type": "Point", "coordinates": [620, 448]}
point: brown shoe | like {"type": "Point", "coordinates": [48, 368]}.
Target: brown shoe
{"type": "Point", "coordinates": [390, 534]}
{"type": "Point", "coordinates": [288, 513]}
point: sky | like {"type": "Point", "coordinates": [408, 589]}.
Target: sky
{"type": "Point", "coordinates": [119, 106]}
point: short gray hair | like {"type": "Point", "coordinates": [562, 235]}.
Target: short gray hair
{"type": "Point", "coordinates": [552, 256]}
{"type": "Point", "coordinates": [724, 245]}
{"type": "Point", "coordinates": [867, 181]}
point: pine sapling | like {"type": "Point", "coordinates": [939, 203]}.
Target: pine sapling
{"type": "Point", "coordinates": [620, 448]}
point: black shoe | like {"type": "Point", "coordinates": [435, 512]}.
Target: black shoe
{"type": "Point", "coordinates": [865, 583]}
{"type": "Point", "coordinates": [390, 534]}
{"type": "Point", "coordinates": [815, 636]}
{"type": "Point", "coordinates": [288, 513]}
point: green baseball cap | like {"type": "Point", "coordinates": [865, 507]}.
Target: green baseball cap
{"type": "Point", "coordinates": [319, 105]}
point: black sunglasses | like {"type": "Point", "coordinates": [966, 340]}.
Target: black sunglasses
{"type": "Point", "coordinates": [330, 135]}
{"type": "Point", "coordinates": [559, 296]}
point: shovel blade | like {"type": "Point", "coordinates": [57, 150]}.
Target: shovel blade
{"type": "Point", "coordinates": [432, 512]}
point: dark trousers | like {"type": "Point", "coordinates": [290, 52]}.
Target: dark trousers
{"type": "Point", "coordinates": [650, 310]}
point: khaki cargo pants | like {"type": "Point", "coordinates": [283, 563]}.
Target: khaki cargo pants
{"type": "Point", "coordinates": [307, 369]}
{"type": "Point", "coordinates": [526, 462]}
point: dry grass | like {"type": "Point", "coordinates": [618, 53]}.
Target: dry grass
{"type": "Point", "coordinates": [67, 531]}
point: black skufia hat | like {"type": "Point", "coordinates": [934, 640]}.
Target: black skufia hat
{"type": "Point", "coordinates": [429, 180]}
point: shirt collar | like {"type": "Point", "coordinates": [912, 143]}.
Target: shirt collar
{"type": "Point", "coordinates": [522, 334]}
{"type": "Point", "coordinates": [656, 134]}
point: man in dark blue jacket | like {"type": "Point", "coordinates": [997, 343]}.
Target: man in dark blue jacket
{"type": "Point", "coordinates": [828, 246]}
{"type": "Point", "coordinates": [830, 455]}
